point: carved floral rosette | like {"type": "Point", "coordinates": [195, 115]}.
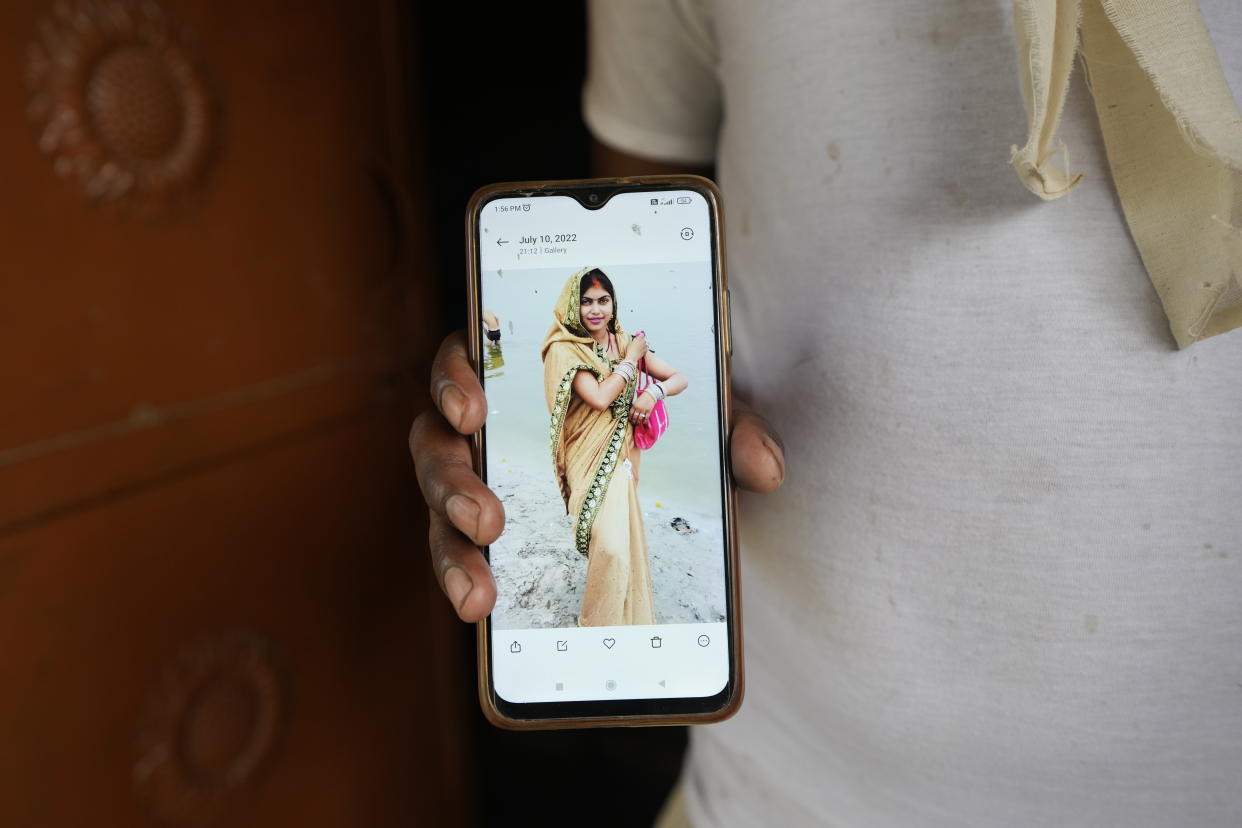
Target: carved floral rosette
{"type": "Point", "coordinates": [119, 101]}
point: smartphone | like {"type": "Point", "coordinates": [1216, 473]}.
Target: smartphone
{"type": "Point", "coordinates": [599, 327]}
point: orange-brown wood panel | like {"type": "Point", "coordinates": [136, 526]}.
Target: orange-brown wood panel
{"type": "Point", "coordinates": [215, 607]}
{"type": "Point", "coordinates": [304, 547]}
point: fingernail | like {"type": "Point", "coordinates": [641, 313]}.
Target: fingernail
{"type": "Point", "coordinates": [772, 435]}
{"type": "Point", "coordinates": [777, 452]}
{"type": "Point", "coordinates": [457, 585]}
{"type": "Point", "coordinates": [452, 403]}
{"type": "Point", "coordinates": [464, 513]}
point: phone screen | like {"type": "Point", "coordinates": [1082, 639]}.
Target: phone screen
{"type": "Point", "coordinates": [613, 569]}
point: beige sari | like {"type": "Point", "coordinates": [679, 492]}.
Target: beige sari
{"type": "Point", "coordinates": [591, 456]}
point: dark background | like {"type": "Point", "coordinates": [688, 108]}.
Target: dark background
{"type": "Point", "coordinates": [500, 109]}
{"type": "Point", "coordinates": [500, 106]}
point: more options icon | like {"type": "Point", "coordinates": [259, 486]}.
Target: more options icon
{"type": "Point", "coordinates": [704, 641]}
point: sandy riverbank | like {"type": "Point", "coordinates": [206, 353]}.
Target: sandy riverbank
{"type": "Point", "coordinates": [539, 575]}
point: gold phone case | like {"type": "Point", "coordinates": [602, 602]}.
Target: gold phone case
{"type": "Point", "coordinates": [723, 353]}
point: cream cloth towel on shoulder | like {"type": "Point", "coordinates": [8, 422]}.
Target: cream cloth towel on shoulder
{"type": "Point", "coordinates": [1172, 132]}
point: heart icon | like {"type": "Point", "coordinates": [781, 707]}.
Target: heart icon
{"type": "Point", "coordinates": [608, 642]}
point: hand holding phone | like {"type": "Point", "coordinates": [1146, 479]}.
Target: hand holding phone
{"type": "Point", "coordinates": [439, 453]}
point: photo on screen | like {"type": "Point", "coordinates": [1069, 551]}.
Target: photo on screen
{"type": "Point", "coordinates": [599, 532]}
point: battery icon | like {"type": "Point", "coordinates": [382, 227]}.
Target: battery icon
{"type": "Point", "coordinates": [683, 200]}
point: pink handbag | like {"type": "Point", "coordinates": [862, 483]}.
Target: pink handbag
{"type": "Point", "coordinates": [646, 434]}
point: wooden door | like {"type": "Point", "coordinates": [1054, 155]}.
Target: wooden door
{"type": "Point", "coordinates": [214, 600]}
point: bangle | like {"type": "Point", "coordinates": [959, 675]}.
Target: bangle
{"type": "Point", "coordinates": [626, 370]}
{"type": "Point", "coordinates": [660, 384]}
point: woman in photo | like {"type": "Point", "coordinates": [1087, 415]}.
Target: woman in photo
{"type": "Point", "coordinates": [590, 371]}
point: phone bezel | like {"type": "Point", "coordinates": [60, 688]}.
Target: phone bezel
{"type": "Point", "coordinates": [621, 712]}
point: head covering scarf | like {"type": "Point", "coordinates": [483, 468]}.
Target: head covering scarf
{"type": "Point", "coordinates": [567, 315]}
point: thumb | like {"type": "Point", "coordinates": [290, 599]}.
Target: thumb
{"type": "Point", "coordinates": [757, 453]}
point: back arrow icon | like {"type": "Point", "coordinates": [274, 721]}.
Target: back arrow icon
{"type": "Point", "coordinates": [502, 241]}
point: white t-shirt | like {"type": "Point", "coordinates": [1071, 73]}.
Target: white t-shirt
{"type": "Point", "coordinates": [1002, 584]}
